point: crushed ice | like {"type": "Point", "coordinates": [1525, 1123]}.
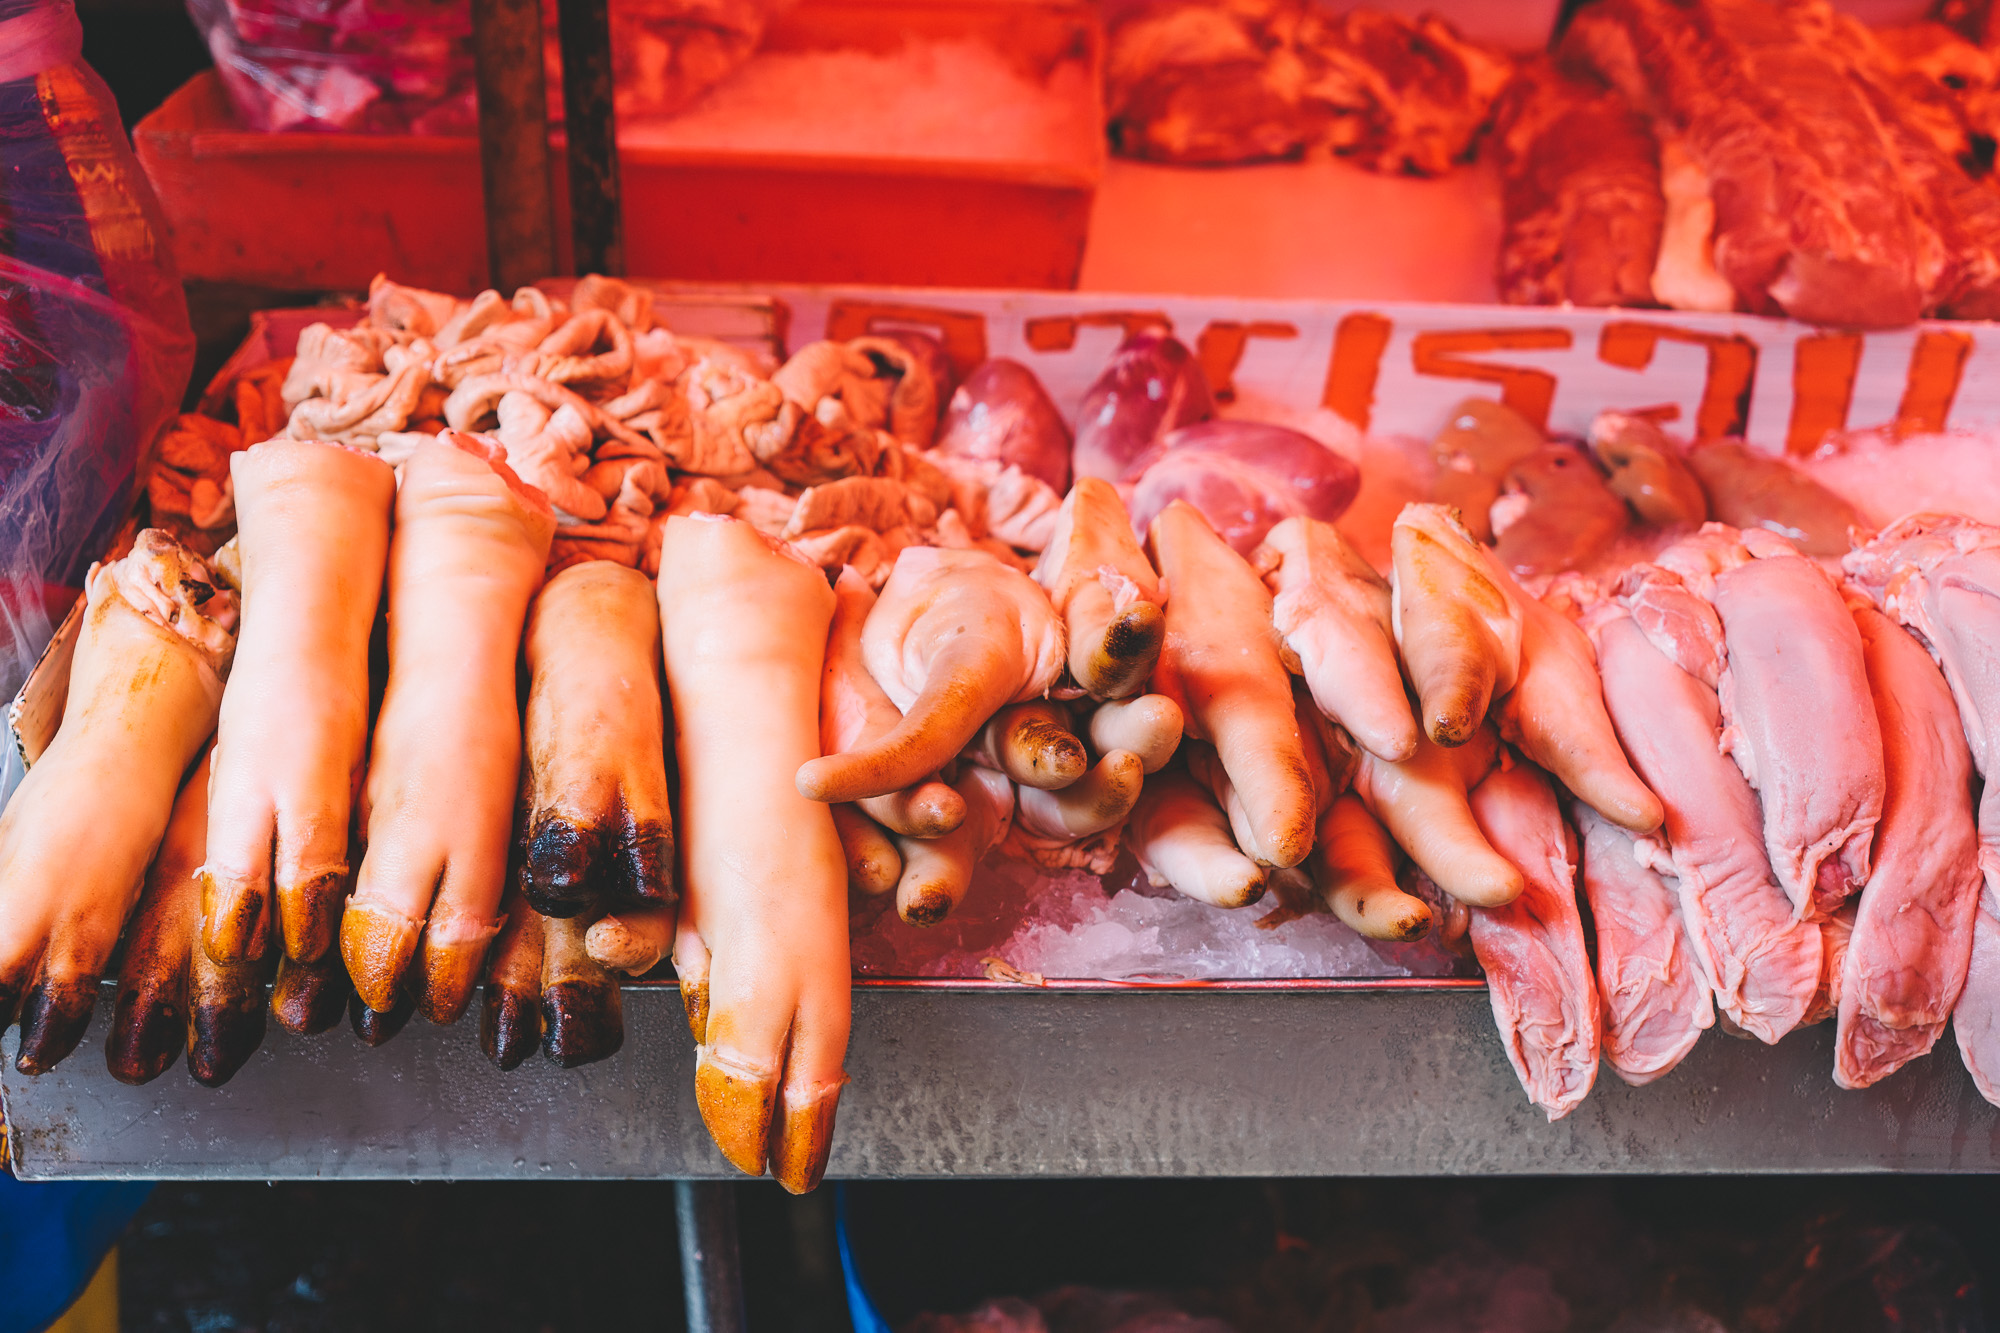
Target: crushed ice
{"type": "Point", "coordinates": [1073, 925]}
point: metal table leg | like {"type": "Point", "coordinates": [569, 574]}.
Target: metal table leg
{"type": "Point", "coordinates": [590, 126]}
{"type": "Point", "coordinates": [514, 141]}
{"type": "Point", "coordinates": [711, 1274]}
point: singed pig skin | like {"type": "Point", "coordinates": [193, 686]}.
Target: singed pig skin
{"type": "Point", "coordinates": [1182, 839]}
{"type": "Point", "coordinates": [149, 1027]}
{"type": "Point", "coordinates": [314, 539]}
{"type": "Point", "coordinates": [599, 829]}
{"type": "Point", "coordinates": [1537, 965]}
{"type": "Point", "coordinates": [1457, 621]}
{"type": "Point", "coordinates": [1762, 964]}
{"type": "Point", "coordinates": [467, 556]}
{"type": "Point", "coordinates": [1244, 476]}
{"type": "Point", "coordinates": [1354, 867]}
{"type": "Point", "coordinates": [762, 948]}
{"type": "Point", "coordinates": [1912, 940]}
{"type": "Point", "coordinates": [1656, 1001]}
{"type": "Point", "coordinates": [78, 833]}
{"type": "Point", "coordinates": [1152, 387]}
{"type": "Point", "coordinates": [853, 712]}
{"type": "Point", "coordinates": [1105, 589]}
{"type": "Point", "coordinates": [1002, 414]}
{"type": "Point", "coordinates": [1422, 804]}
{"type": "Point", "coordinates": [1795, 694]}
{"type": "Point", "coordinates": [1555, 713]}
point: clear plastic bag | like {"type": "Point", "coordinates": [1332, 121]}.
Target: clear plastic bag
{"type": "Point", "coordinates": [95, 347]}
{"type": "Point", "coordinates": [666, 53]}
{"type": "Point", "coordinates": [376, 66]}
{"type": "Point", "coordinates": [405, 66]}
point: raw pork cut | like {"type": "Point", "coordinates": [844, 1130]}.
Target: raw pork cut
{"type": "Point", "coordinates": [1912, 938]}
{"type": "Point", "coordinates": [1939, 574]}
{"type": "Point", "coordinates": [1762, 965]}
{"type": "Point", "coordinates": [1244, 476]}
{"type": "Point", "coordinates": [1580, 172]}
{"type": "Point", "coordinates": [1002, 414]}
{"type": "Point", "coordinates": [1795, 708]}
{"type": "Point", "coordinates": [1811, 217]}
{"type": "Point", "coordinates": [1152, 387]}
{"type": "Point", "coordinates": [1656, 1002]}
{"type": "Point", "coordinates": [1537, 966]}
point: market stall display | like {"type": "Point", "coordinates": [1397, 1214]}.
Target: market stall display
{"type": "Point", "coordinates": [1394, 749]}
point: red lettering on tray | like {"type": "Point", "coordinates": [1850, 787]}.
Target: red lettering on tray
{"type": "Point", "coordinates": [1220, 350]}
{"type": "Point", "coordinates": [1527, 391]}
{"type": "Point", "coordinates": [1732, 368]}
{"type": "Point", "coordinates": [963, 332]}
{"type": "Point", "coordinates": [1823, 370]}
{"type": "Point", "coordinates": [1356, 363]}
{"type": "Point", "coordinates": [1057, 333]}
{"type": "Point", "coordinates": [1937, 364]}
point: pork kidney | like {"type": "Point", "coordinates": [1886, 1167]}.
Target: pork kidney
{"type": "Point", "coordinates": [1002, 413]}
{"type": "Point", "coordinates": [1244, 476]}
{"type": "Point", "coordinates": [1153, 386]}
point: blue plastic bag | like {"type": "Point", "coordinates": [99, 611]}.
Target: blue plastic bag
{"type": "Point", "coordinates": [52, 1238]}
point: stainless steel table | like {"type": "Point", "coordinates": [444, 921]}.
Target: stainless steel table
{"type": "Point", "coordinates": [965, 1079]}
{"type": "Point", "coordinates": [959, 1079]}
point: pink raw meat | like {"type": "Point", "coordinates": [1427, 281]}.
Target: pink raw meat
{"type": "Point", "coordinates": [1912, 940]}
{"type": "Point", "coordinates": [1656, 1002]}
{"type": "Point", "coordinates": [1152, 386]}
{"type": "Point", "coordinates": [1939, 575]}
{"type": "Point", "coordinates": [1001, 413]}
{"type": "Point", "coordinates": [1245, 477]}
{"type": "Point", "coordinates": [1537, 965]}
{"type": "Point", "coordinates": [1796, 709]}
{"type": "Point", "coordinates": [1680, 623]}
{"type": "Point", "coordinates": [1762, 965]}
{"type": "Point", "coordinates": [1835, 934]}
